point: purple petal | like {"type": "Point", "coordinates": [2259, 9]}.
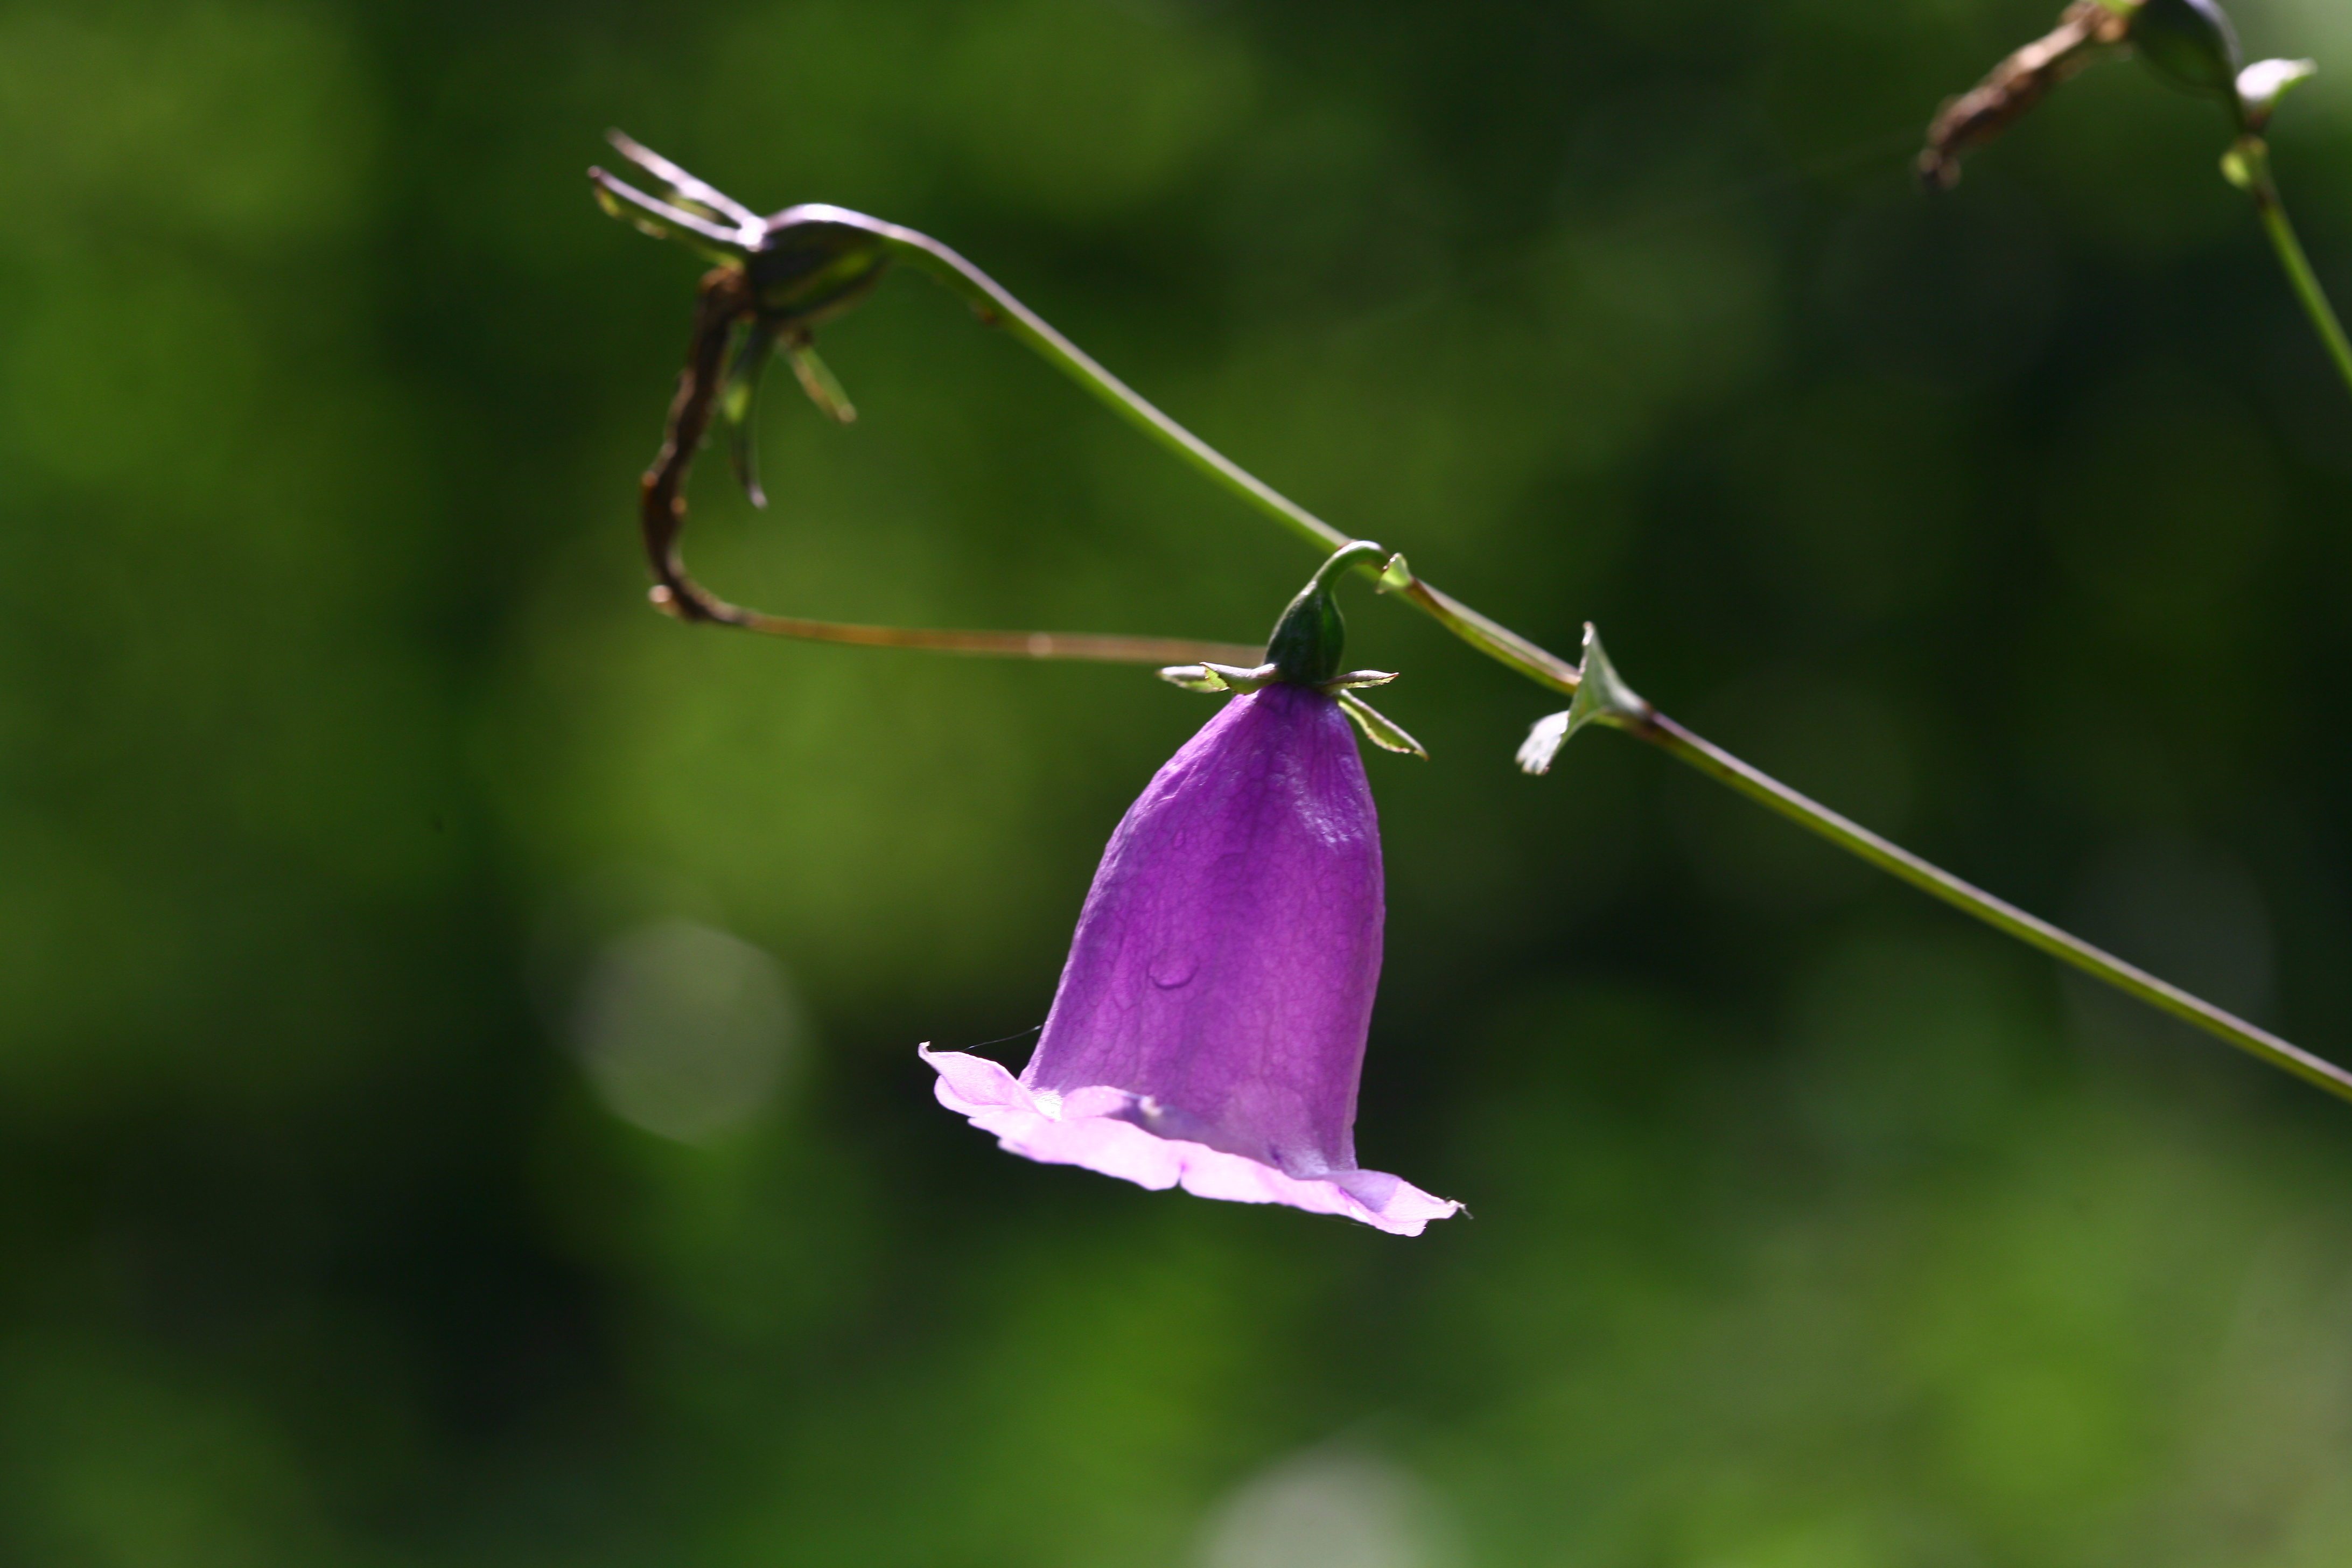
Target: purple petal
{"type": "Point", "coordinates": [1094, 1127]}
{"type": "Point", "coordinates": [1224, 963]}
{"type": "Point", "coordinates": [1209, 1029]}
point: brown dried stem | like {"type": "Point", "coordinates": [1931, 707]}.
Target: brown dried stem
{"type": "Point", "coordinates": [722, 299]}
{"type": "Point", "coordinates": [2086, 31]}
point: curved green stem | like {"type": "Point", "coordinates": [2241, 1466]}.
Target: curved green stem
{"type": "Point", "coordinates": [1549, 669]}
{"type": "Point", "coordinates": [2248, 166]}
{"type": "Point", "coordinates": [725, 298]}
{"type": "Point", "coordinates": [999, 308]}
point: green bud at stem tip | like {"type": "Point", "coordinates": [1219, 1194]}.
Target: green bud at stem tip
{"type": "Point", "coordinates": [1310, 636]}
{"type": "Point", "coordinates": [2192, 44]}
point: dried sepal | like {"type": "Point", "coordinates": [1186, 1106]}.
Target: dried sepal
{"type": "Point", "coordinates": [663, 220]}
{"type": "Point", "coordinates": [686, 193]}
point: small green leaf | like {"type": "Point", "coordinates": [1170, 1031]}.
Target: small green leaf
{"type": "Point", "coordinates": [1396, 575]}
{"type": "Point", "coordinates": [1378, 728]}
{"type": "Point", "coordinates": [1600, 692]}
{"type": "Point", "coordinates": [1602, 696]}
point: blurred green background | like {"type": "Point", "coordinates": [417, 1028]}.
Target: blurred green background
{"type": "Point", "coordinates": [458, 1091]}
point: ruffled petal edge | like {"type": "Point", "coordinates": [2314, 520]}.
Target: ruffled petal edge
{"type": "Point", "coordinates": [1084, 1127]}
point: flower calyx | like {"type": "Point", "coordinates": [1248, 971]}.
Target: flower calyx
{"type": "Point", "coordinates": [1229, 678]}
{"type": "Point", "coordinates": [1309, 639]}
{"type": "Point", "coordinates": [1213, 678]}
{"type": "Point", "coordinates": [804, 264]}
{"type": "Point", "coordinates": [800, 268]}
{"type": "Point", "coordinates": [1305, 650]}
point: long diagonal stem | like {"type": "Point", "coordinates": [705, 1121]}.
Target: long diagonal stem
{"type": "Point", "coordinates": [2298, 271]}
{"type": "Point", "coordinates": [2248, 167]}
{"type": "Point", "coordinates": [1720, 764]}
{"type": "Point", "coordinates": [1549, 669]}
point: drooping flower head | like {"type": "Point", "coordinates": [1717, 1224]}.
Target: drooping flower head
{"type": "Point", "coordinates": [1208, 1028]}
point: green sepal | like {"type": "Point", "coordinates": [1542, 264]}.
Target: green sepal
{"type": "Point", "coordinates": [816, 379]}
{"type": "Point", "coordinates": [1355, 677]}
{"type": "Point", "coordinates": [1601, 698]}
{"type": "Point", "coordinates": [1218, 677]}
{"type": "Point", "coordinates": [738, 396]}
{"type": "Point", "coordinates": [688, 193]}
{"type": "Point", "coordinates": [1379, 727]}
{"type": "Point", "coordinates": [1193, 677]}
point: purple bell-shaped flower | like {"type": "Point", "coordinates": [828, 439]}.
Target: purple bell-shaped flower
{"type": "Point", "coordinates": [1208, 1028]}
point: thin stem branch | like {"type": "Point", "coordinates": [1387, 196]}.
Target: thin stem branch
{"type": "Point", "coordinates": [2248, 166]}
{"type": "Point", "coordinates": [721, 301]}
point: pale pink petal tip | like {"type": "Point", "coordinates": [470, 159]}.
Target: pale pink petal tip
{"type": "Point", "coordinates": [1086, 1127]}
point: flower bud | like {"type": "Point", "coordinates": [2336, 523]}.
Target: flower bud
{"type": "Point", "coordinates": [809, 266]}
{"type": "Point", "coordinates": [1308, 640]}
{"type": "Point", "coordinates": [2190, 42]}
